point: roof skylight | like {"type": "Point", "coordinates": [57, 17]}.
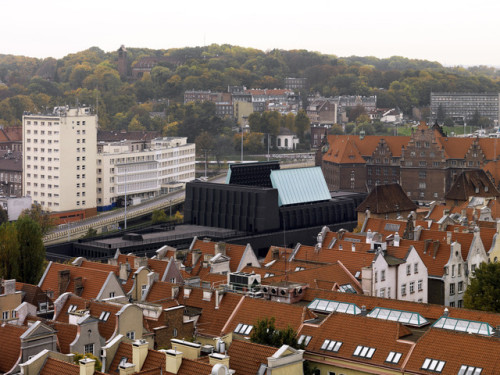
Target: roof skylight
{"type": "Point", "coordinates": [404, 317]}
{"type": "Point", "coordinates": [463, 325]}
{"type": "Point", "coordinates": [327, 306]}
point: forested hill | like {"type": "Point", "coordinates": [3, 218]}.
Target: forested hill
{"type": "Point", "coordinates": [92, 75]}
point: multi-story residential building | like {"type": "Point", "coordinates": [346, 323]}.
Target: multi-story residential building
{"type": "Point", "coordinates": [322, 112]}
{"type": "Point", "coordinates": [59, 159]}
{"type": "Point", "coordinates": [462, 106]}
{"type": "Point", "coordinates": [344, 102]}
{"type": "Point", "coordinates": [11, 138]}
{"type": "Point", "coordinates": [123, 169]}
{"type": "Point", "coordinates": [223, 101]}
{"type": "Point", "coordinates": [295, 83]}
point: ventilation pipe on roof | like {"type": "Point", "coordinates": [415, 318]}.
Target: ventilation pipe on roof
{"type": "Point", "coordinates": [397, 239]}
{"type": "Point", "coordinates": [369, 235]}
{"type": "Point", "coordinates": [446, 312]}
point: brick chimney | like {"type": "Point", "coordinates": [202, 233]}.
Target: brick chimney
{"type": "Point", "coordinates": [63, 278]}
{"type": "Point", "coordinates": [9, 286]}
{"type": "Point", "coordinates": [87, 366]}
{"type": "Point", "coordinates": [216, 358]}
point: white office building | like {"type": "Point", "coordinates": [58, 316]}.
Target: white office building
{"type": "Point", "coordinates": [125, 170]}
{"type": "Point", "coordinates": [59, 159]}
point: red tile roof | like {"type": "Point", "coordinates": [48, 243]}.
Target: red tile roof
{"type": "Point", "coordinates": [11, 345]}
{"type": "Point", "coordinates": [246, 357]}
{"type": "Point", "coordinates": [54, 366]}
{"type": "Point", "coordinates": [93, 280]}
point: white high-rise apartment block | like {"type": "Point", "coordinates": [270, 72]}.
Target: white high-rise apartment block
{"type": "Point", "coordinates": [59, 158]}
{"type": "Point", "coordinates": [125, 169]}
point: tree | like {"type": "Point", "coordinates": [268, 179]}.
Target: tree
{"type": "Point", "coordinates": [179, 217]}
{"type": "Point", "coordinates": [441, 114]}
{"type": "Point", "coordinates": [9, 251]}
{"type": "Point", "coordinates": [476, 117]}
{"type": "Point", "coordinates": [302, 124]}
{"type": "Point", "coordinates": [355, 112]}
{"type": "Point", "coordinates": [483, 293]}
{"type": "Point", "coordinates": [336, 130]}
{"type": "Point", "coordinates": [31, 249]}
{"type": "Point", "coordinates": [264, 332]}
{"type": "Point", "coordinates": [158, 216]}
{"type": "Point", "coordinates": [41, 217]}
{"type": "Point", "coordinates": [91, 232]}
{"type": "Point", "coordinates": [4, 217]}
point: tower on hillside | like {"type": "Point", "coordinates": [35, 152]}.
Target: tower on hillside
{"type": "Point", "coordinates": [122, 61]}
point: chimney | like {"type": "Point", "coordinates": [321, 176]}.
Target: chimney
{"type": "Point", "coordinates": [363, 310]}
{"type": "Point", "coordinates": [448, 238]}
{"type": "Point", "coordinates": [127, 369]}
{"type": "Point", "coordinates": [220, 248]}
{"type": "Point", "coordinates": [397, 239]}
{"type": "Point", "coordinates": [173, 360]}
{"type": "Point", "coordinates": [195, 254]}
{"type": "Point", "coordinates": [124, 270]}
{"type": "Point", "coordinates": [216, 358]}
{"type": "Point", "coordinates": [9, 286]}
{"type": "Point", "coordinates": [139, 353]}
{"type": "Point", "coordinates": [63, 280]}
{"type": "Point", "coordinates": [87, 366]}
{"type": "Point", "coordinates": [140, 262]}
{"type": "Point", "coordinates": [369, 236]}
{"type": "Point", "coordinates": [446, 312]}
{"type": "Point", "coordinates": [78, 286]}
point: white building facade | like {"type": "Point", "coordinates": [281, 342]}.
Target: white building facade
{"type": "Point", "coordinates": [59, 159]}
{"type": "Point", "coordinates": [141, 174]}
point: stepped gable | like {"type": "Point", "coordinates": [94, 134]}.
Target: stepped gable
{"type": "Point", "coordinates": [387, 199]}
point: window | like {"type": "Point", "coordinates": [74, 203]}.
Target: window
{"type": "Point", "coordinates": [89, 348]}
{"type": "Point", "coordinates": [393, 357]}
{"type": "Point", "coordinates": [243, 329]}
{"type": "Point", "coordinates": [71, 308]}
{"type": "Point", "coordinates": [419, 285]}
{"type": "Point", "coordinates": [433, 365]}
{"type": "Point", "coordinates": [403, 290]}
{"type": "Point", "coordinates": [382, 292]}
{"type": "Point", "coordinates": [452, 289]}
{"type": "Point", "coordinates": [331, 345]}
{"type": "Point", "coordinates": [412, 287]}
{"type": "Point", "coordinates": [469, 370]}
{"type": "Point", "coordinates": [104, 316]}
{"type": "Point", "coordinates": [174, 333]}
{"type": "Point", "coordinates": [453, 270]}
{"type": "Point", "coordinates": [382, 275]}
{"type": "Point", "coordinates": [303, 339]}
{"type": "Point", "coordinates": [408, 269]}
{"type": "Point", "coordinates": [415, 268]}
{"type": "Point", "coordinates": [364, 352]}
{"type": "Point", "coordinates": [131, 335]}
{"type": "Point", "coordinates": [460, 287]}
{"type": "Point", "coordinates": [111, 294]}
{"type": "Point", "coordinates": [5, 315]}
{"type": "Point", "coordinates": [376, 276]}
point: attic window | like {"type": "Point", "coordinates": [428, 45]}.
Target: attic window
{"type": "Point", "coordinates": [331, 345]}
{"type": "Point", "coordinates": [347, 288]}
{"type": "Point", "coordinates": [243, 329]}
{"type": "Point", "coordinates": [71, 308]}
{"type": "Point", "coordinates": [299, 269]}
{"type": "Point", "coordinates": [469, 370]}
{"type": "Point", "coordinates": [393, 357]}
{"type": "Point", "coordinates": [364, 352]}
{"type": "Point", "coordinates": [268, 274]}
{"type": "Point", "coordinates": [104, 316]}
{"type": "Point", "coordinates": [433, 365]}
{"type": "Point", "coordinates": [303, 339]}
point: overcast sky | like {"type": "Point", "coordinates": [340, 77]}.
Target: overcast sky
{"type": "Point", "coordinates": [452, 32]}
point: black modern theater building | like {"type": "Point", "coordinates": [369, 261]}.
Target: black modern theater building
{"type": "Point", "coordinates": [261, 197]}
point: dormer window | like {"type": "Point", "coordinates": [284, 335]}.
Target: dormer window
{"type": "Point", "coordinates": [104, 316]}
{"type": "Point", "coordinates": [71, 308]}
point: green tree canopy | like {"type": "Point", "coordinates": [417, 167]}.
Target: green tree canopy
{"type": "Point", "coordinates": [483, 293]}
{"type": "Point", "coordinates": [31, 249]}
{"type": "Point", "coordinates": [264, 332]}
{"type": "Point", "coordinates": [9, 251]}
{"type": "Point", "coordinates": [41, 217]}
{"type": "Point", "coordinates": [159, 216]}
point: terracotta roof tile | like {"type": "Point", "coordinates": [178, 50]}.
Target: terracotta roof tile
{"type": "Point", "coordinates": [382, 335]}
{"type": "Point", "coordinates": [448, 346]}
{"type": "Point", "coordinates": [54, 366]}
{"type": "Point", "coordinates": [387, 199]}
{"type": "Point", "coordinates": [11, 345]}
{"type": "Point", "coordinates": [246, 357]}
{"type": "Point", "coordinates": [93, 280]}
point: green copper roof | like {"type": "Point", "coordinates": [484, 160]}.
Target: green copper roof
{"type": "Point", "coordinates": [300, 185]}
